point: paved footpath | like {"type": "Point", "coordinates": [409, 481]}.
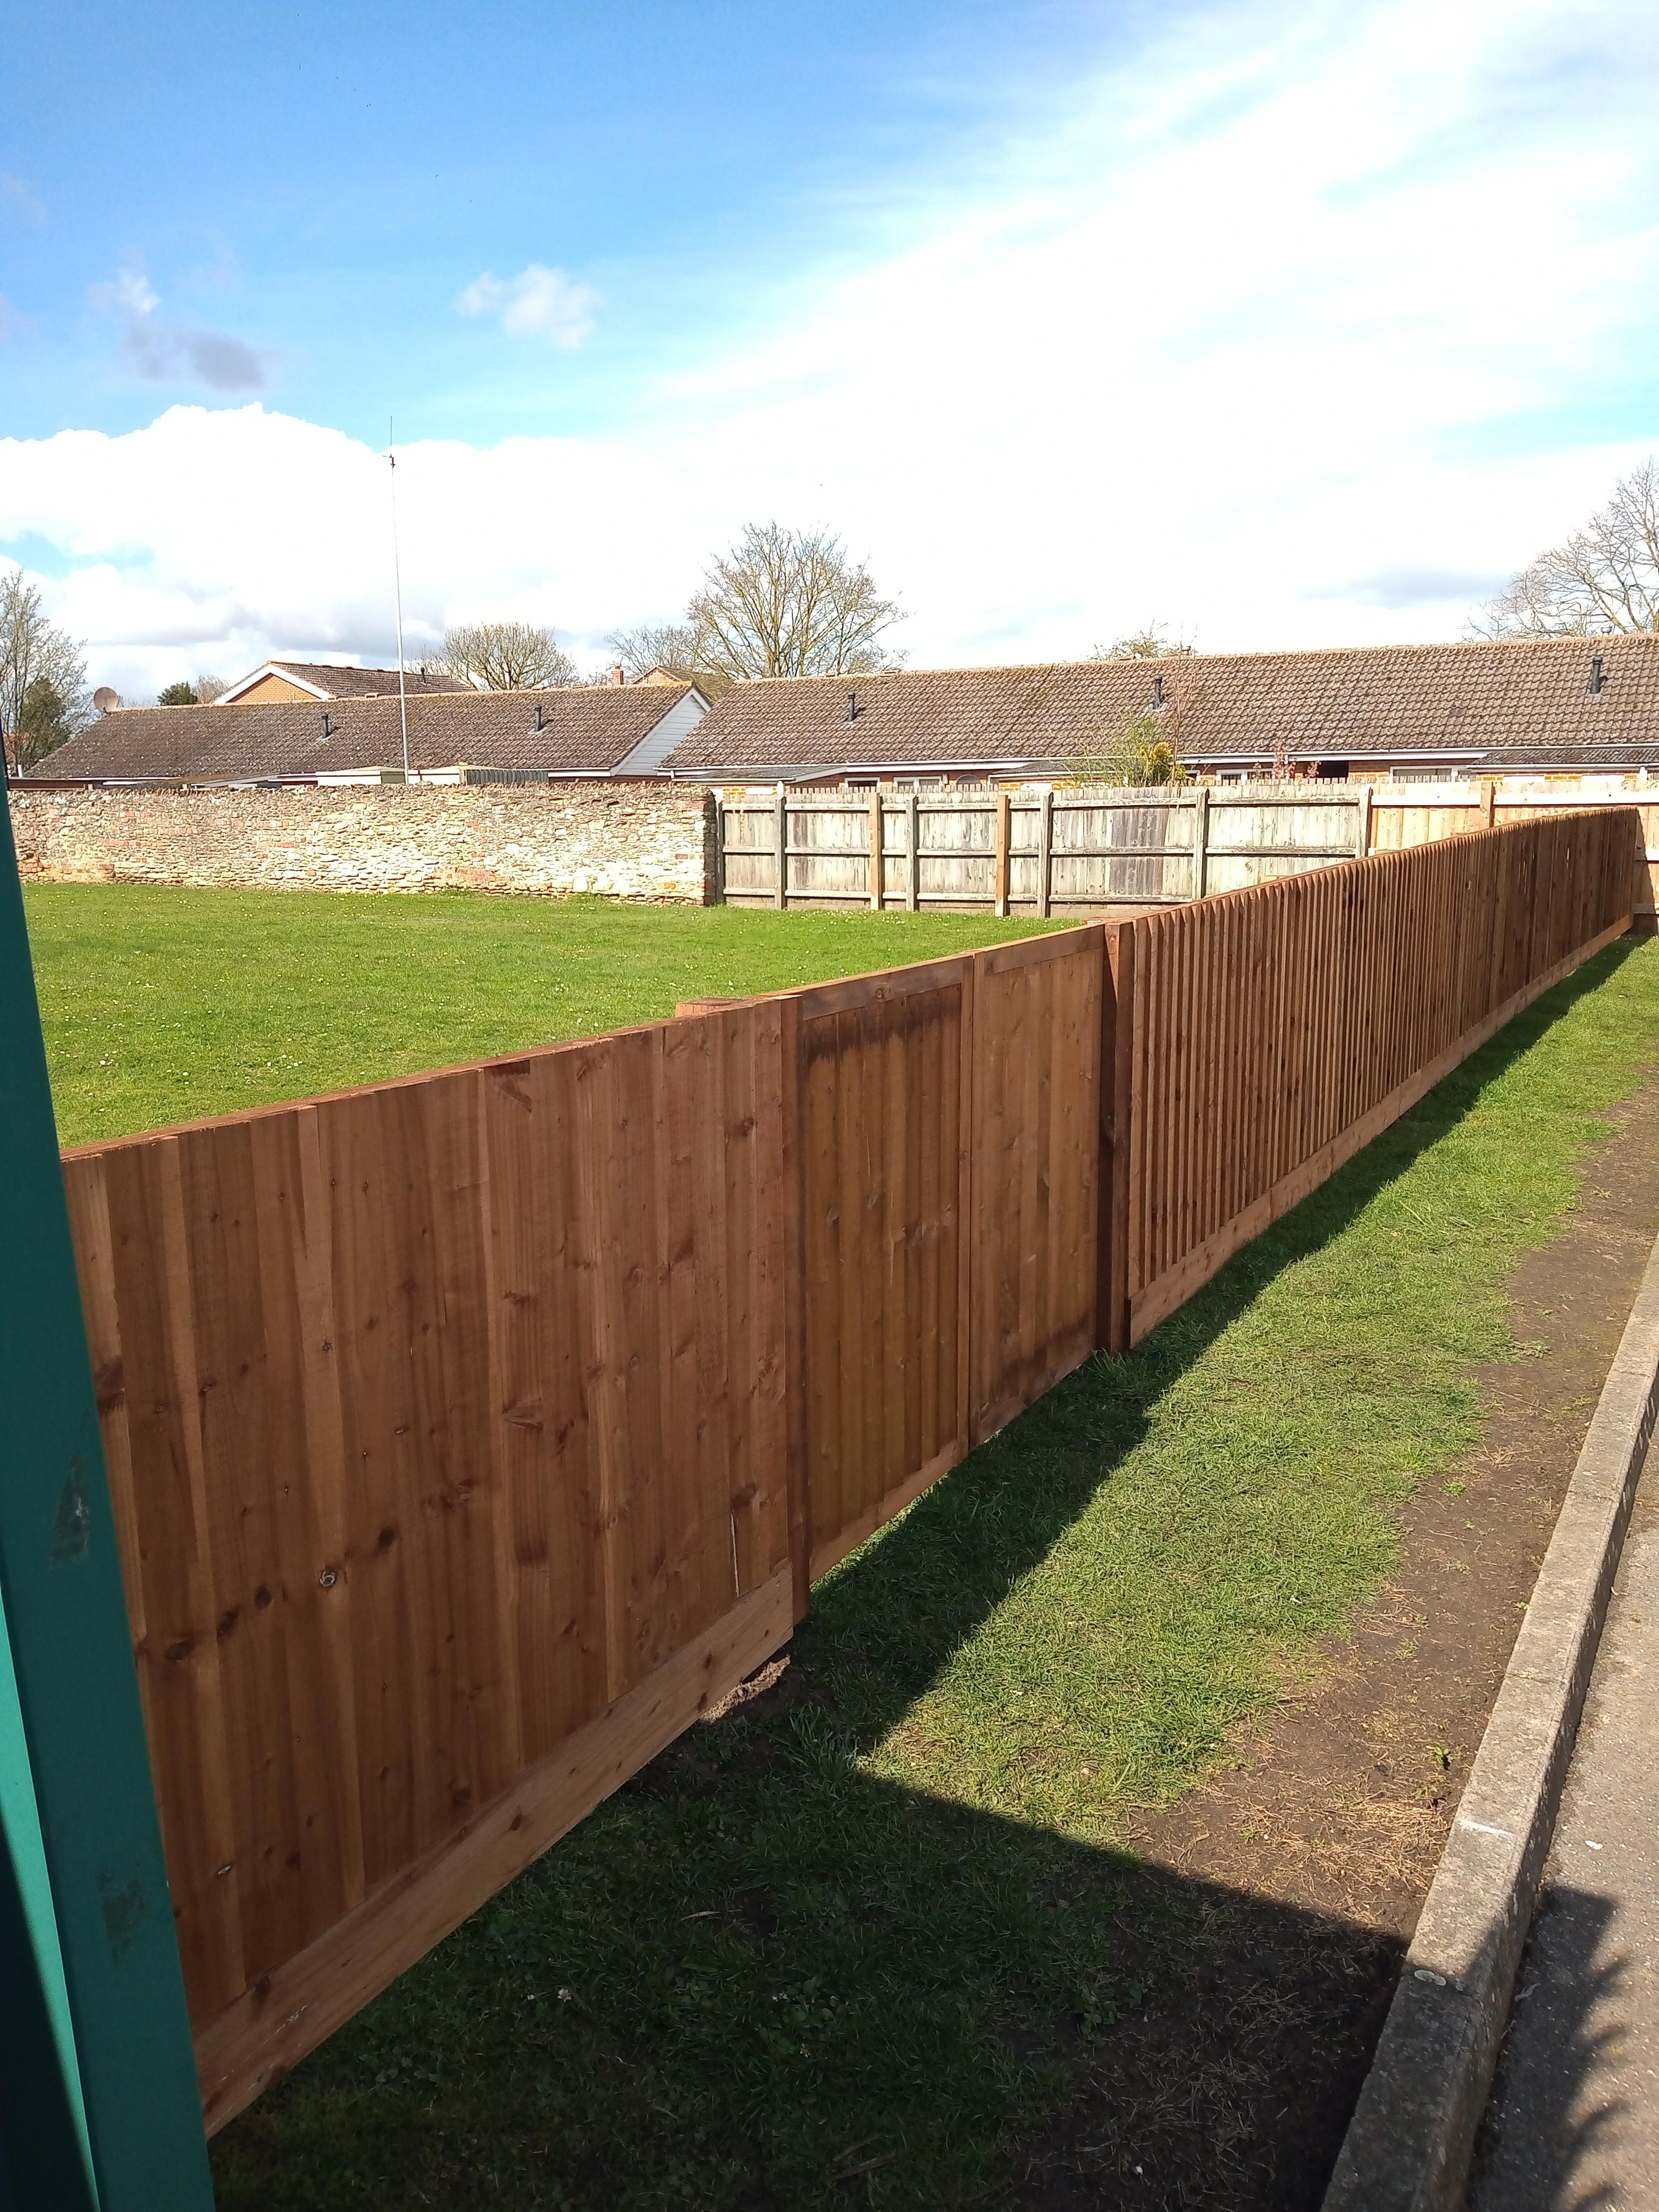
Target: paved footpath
{"type": "Point", "coordinates": [1573, 2126]}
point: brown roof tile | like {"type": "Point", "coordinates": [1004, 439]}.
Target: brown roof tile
{"type": "Point", "coordinates": [1520, 702]}
{"type": "Point", "coordinates": [586, 730]}
{"type": "Point", "coordinates": [367, 682]}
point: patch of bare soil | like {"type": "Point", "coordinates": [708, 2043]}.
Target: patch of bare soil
{"type": "Point", "coordinates": [1300, 1867]}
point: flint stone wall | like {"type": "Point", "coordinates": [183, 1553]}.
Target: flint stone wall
{"type": "Point", "coordinates": [630, 840]}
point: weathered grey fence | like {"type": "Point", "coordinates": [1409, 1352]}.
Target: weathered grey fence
{"type": "Point", "coordinates": [1030, 852]}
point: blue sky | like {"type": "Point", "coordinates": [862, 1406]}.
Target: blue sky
{"type": "Point", "coordinates": [319, 184]}
{"type": "Point", "coordinates": [1284, 321]}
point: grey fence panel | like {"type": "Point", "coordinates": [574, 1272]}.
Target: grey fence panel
{"type": "Point", "coordinates": [1069, 850]}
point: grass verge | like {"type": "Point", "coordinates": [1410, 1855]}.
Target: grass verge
{"type": "Point", "coordinates": [855, 1941]}
{"type": "Point", "coordinates": [166, 1005]}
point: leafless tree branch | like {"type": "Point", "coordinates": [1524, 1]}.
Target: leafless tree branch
{"type": "Point", "coordinates": [1604, 580]}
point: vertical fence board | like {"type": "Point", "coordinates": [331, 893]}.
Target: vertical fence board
{"type": "Point", "coordinates": [466, 1435]}
{"type": "Point", "coordinates": [1283, 1025]}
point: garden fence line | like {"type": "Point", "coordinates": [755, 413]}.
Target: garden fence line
{"type": "Point", "coordinates": [470, 1435]}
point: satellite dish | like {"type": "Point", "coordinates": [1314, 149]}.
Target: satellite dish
{"type": "Point", "coordinates": [104, 698]}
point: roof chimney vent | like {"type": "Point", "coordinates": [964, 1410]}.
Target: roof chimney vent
{"type": "Point", "coordinates": [1597, 676]}
{"type": "Point", "coordinates": [852, 706]}
{"type": "Point", "coordinates": [617, 676]}
{"type": "Point", "coordinates": [1158, 688]}
{"type": "Point", "coordinates": [327, 733]}
{"type": "Point", "coordinates": [538, 714]}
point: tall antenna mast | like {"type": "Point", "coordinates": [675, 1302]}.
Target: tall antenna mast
{"type": "Point", "coordinates": [397, 587]}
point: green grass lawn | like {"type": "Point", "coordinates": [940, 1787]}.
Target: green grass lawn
{"type": "Point", "coordinates": [857, 1942]}
{"type": "Point", "coordinates": [166, 1005]}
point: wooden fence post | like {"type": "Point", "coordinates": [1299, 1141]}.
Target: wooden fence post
{"type": "Point", "coordinates": [1362, 834]}
{"type": "Point", "coordinates": [878, 873]}
{"type": "Point", "coordinates": [1046, 852]}
{"type": "Point", "coordinates": [717, 863]}
{"type": "Point", "coordinates": [1116, 1074]}
{"type": "Point", "coordinates": [1201, 841]}
{"type": "Point", "coordinates": [913, 813]}
{"type": "Point", "coordinates": [1488, 802]}
{"type": "Point", "coordinates": [781, 895]}
{"type": "Point", "coordinates": [1005, 816]}
{"type": "Point", "coordinates": [798, 1469]}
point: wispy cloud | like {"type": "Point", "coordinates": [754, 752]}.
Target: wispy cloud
{"type": "Point", "coordinates": [1242, 340]}
{"type": "Point", "coordinates": [17, 198]}
{"type": "Point", "coordinates": [539, 302]}
{"type": "Point", "coordinates": [1416, 588]}
{"type": "Point", "coordinates": [166, 352]}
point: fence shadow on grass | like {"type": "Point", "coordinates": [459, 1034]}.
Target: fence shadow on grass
{"type": "Point", "coordinates": [920, 1589]}
{"type": "Point", "coordinates": [762, 1977]}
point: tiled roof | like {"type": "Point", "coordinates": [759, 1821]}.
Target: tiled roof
{"type": "Point", "coordinates": [367, 682]}
{"type": "Point", "coordinates": [1519, 702]}
{"type": "Point", "coordinates": [586, 730]}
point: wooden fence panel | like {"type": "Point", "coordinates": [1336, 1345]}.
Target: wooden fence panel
{"type": "Point", "coordinates": [1070, 850]}
{"type": "Point", "coordinates": [467, 1435]}
{"type": "Point", "coordinates": [1035, 1201]}
{"type": "Point", "coordinates": [885, 1065]}
{"type": "Point", "coordinates": [447, 1424]}
{"type": "Point", "coordinates": [1276, 1030]}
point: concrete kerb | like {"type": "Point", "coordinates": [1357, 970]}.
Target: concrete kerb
{"type": "Point", "coordinates": [1409, 2145]}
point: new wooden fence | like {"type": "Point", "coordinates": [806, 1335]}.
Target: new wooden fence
{"type": "Point", "coordinates": [469, 1435]}
{"type": "Point", "coordinates": [1275, 1031]}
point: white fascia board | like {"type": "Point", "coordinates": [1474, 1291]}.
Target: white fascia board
{"type": "Point", "coordinates": [754, 776]}
{"type": "Point", "coordinates": [233, 692]}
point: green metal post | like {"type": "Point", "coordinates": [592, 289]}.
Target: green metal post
{"type": "Point", "coordinates": [98, 2070]}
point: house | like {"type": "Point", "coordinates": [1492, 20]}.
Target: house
{"type": "Point", "coordinates": [289, 682]}
{"type": "Point", "coordinates": [453, 735]}
{"type": "Point", "coordinates": [1558, 706]}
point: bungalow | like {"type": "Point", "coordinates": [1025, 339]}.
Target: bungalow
{"type": "Point", "coordinates": [1558, 706]}
{"type": "Point", "coordinates": [453, 735]}
{"type": "Point", "coordinates": [286, 683]}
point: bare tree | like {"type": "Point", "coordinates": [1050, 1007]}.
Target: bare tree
{"type": "Point", "coordinates": [207, 688]}
{"type": "Point", "coordinates": [1148, 644]}
{"type": "Point", "coordinates": [672, 646]}
{"type": "Point", "coordinates": [1605, 579]}
{"type": "Point", "coordinates": [789, 603]}
{"type": "Point", "coordinates": [43, 676]}
{"type": "Point", "coordinates": [506, 656]}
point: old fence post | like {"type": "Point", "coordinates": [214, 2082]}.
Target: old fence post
{"type": "Point", "coordinates": [1201, 841]}
{"type": "Point", "coordinates": [1046, 852]}
{"type": "Point", "coordinates": [878, 871]}
{"type": "Point", "coordinates": [1362, 834]}
{"type": "Point", "coordinates": [913, 816]}
{"type": "Point", "coordinates": [1004, 815]}
{"type": "Point", "coordinates": [780, 846]}
{"type": "Point", "coordinates": [715, 829]}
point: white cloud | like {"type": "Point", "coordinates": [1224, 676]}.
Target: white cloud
{"type": "Point", "coordinates": [165, 352]}
{"type": "Point", "coordinates": [1248, 325]}
{"type": "Point", "coordinates": [539, 302]}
